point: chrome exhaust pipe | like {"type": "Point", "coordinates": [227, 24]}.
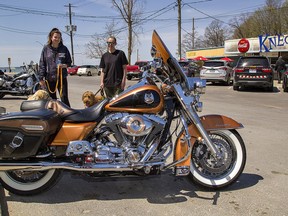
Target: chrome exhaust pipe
{"type": "Point", "coordinates": [42, 166]}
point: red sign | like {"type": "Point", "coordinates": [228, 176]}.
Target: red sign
{"type": "Point", "coordinates": [243, 45]}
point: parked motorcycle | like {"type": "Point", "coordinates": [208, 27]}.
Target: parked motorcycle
{"type": "Point", "coordinates": [131, 134]}
{"type": "Point", "coordinates": [23, 83]}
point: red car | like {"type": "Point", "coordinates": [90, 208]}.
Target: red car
{"type": "Point", "coordinates": [73, 70]}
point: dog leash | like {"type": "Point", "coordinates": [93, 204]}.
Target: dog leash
{"type": "Point", "coordinates": [101, 92]}
{"type": "Point", "coordinates": [59, 74]}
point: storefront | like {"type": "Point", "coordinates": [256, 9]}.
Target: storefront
{"type": "Point", "coordinates": [265, 45]}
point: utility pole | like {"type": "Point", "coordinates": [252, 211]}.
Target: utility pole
{"type": "Point", "coordinates": [179, 28]}
{"type": "Point", "coordinates": [71, 28]}
{"type": "Point", "coordinates": [193, 34]}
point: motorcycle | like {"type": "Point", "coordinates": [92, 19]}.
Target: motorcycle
{"type": "Point", "coordinates": [130, 134]}
{"type": "Point", "coordinates": [23, 83]}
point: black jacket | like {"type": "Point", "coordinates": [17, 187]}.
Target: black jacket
{"type": "Point", "coordinates": [49, 59]}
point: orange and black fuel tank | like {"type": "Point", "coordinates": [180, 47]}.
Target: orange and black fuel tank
{"type": "Point", "coordinates": [143, 97]}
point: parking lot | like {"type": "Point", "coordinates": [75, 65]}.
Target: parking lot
{"type": "Point", "coordinates": [261, 189]}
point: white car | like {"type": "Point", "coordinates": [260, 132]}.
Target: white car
{"type": "Point", "coordinates": [88, 70]}
{"type": "Point", "coordinates": [217, 71]}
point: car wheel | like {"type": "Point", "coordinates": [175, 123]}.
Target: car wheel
{"type": "Point", "coordinates": [89, 73]}
{"type": "Point", "coordinates": [235, 88]}
{"type": "Point", "coordinates": [129, 77]}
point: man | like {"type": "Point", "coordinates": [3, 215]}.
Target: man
{"type": "Point", "coordinates": [280, 68]}
{"type": "Point", "coordinates": [113, 69]}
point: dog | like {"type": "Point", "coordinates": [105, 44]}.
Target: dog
{"type": "Point", "coordinates": [39, 95]}
{"type": "Point", "coordinates": [89, 99]}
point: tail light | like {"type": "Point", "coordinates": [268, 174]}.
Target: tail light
{"type": "Point", "coordinates": [267, 70]}
{"type": "Point", "coordinates": [239, 70]}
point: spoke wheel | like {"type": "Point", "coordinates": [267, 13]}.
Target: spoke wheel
{"type": "Point", "coordinates": [207, 171]}
{"type": "Point", "coordinates": [29, 182]}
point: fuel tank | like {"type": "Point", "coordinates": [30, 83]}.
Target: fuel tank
{"type": "Point", "coordinates": [143, 97]}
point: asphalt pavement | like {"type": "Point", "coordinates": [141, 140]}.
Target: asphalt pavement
{"type": "Point", "coordinates": [261, 189]}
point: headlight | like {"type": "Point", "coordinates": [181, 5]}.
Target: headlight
{"type": "Point", "coordinates": [197, 85]}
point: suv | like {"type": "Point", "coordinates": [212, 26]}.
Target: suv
{"type": "Point", "coordinates": [217, 71]}
{"type": "Point", "coordinates": [253, 71]}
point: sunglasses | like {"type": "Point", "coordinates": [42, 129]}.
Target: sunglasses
{"type": "Point", "coordinates": [110, 43]}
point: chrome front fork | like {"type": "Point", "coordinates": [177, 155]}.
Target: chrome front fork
{"type": "Point", "coordinates": [193, 116]}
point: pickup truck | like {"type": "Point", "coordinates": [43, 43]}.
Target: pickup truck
{"type": "Point", "coordinates": [134, 71]}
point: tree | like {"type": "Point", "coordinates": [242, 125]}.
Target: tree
{"type": "Point", "coordinates": [271, 19]}
{"type": "Point", "coordinates": [131, 12]}
{"type": "Point", "coordinates": [187, 42]}
{"type": "Point", "coordinates": [215, 34]}
{"type": "Point", "coordinates": [97, 47]}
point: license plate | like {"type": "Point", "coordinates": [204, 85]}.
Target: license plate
{"type": "Point", "coordinates": [252, 70]}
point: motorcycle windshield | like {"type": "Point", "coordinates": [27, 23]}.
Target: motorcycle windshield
{"type": "Point", "coordinates": [161, 51]}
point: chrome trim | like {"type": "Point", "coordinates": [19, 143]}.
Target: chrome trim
{"type": "Point", "coordinates": [33, 127]}
{"type": "Point", "coordinates": [182, 170]}
{"type": "Point", "coordinates": [189, 109]}
{"type": "Point", "coordinates": [41, 166]}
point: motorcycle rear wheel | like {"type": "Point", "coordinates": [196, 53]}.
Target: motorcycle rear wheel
{"type": "Point", "coordinates": [211, 173]}
{"type": "Point", "coordinates": [29, 182]}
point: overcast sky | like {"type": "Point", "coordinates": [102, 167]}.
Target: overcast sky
{"type": "Point", "coordinates": [24, 25]}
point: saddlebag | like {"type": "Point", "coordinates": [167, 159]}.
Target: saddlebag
{"type": "Point", "coordinates": [23, 134]}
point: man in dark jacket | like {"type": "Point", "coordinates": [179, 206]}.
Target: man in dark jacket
{"type": "Point", "coordinates": [54, 60]}
{"type": "Point", "coordinates": [280, 68]}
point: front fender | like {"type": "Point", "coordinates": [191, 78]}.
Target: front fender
{"type": "Point", "coordinates": [219, 122]}
{"type": "Point", "coordinates": [210, 123]}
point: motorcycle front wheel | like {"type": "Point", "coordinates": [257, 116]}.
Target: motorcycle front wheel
{"type": "Point", "coordinates": [29, 182]}
{"type": "Point", "coordinates": [209, 172]}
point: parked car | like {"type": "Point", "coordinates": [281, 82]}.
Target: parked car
{"type": "Point", "coordinates": [134, 71]}
{"type": "Point", "coordinates": [72, 70]}
{"type": "Point", "coordinates": [88, 70]}
{"type": "Point", "coordinates": [254, 71]}
{"type": "Point", "coordinates": [217, 71]}
{"type": "Point", "coordinates": [190, 68]}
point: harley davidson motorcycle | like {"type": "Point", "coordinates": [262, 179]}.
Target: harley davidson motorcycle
{"type": "Point", "coordinates": [23, 83]}
{"type": "Point", "coordinates": [133, 133]}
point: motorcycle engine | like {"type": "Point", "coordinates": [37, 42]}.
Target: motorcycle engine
{"type": "Point", "coordinates": [122, 138]}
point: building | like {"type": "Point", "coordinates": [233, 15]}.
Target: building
{"type": "Point", "coordinates": [264, 45]}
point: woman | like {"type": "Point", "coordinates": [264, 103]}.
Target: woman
{"type": "Point", "coordinates": [54, 60]}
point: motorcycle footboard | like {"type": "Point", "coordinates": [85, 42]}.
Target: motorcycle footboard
{"type": "Point", "coordinates": [23, 133]}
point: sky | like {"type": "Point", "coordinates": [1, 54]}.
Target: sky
{"type": "Point", "coordinates": [24, 25]}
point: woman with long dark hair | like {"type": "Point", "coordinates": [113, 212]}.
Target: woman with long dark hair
{"type": "Point", "coordinates": [54, 60]}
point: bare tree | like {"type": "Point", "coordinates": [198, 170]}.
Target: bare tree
{"type": "Point", "coordinates": [215, 34]}
{"type": "Point", "coordinates": [271, 19]}
{"type": "Point", "coordinates": [131, 12]}
{"type": "Point", "coordinates": [97, 47]}
{"type": "Point", "coordinates": [187, 42]}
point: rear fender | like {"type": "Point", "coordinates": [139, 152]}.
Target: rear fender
{"type": "Point", "coordinates": [210, 123]}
